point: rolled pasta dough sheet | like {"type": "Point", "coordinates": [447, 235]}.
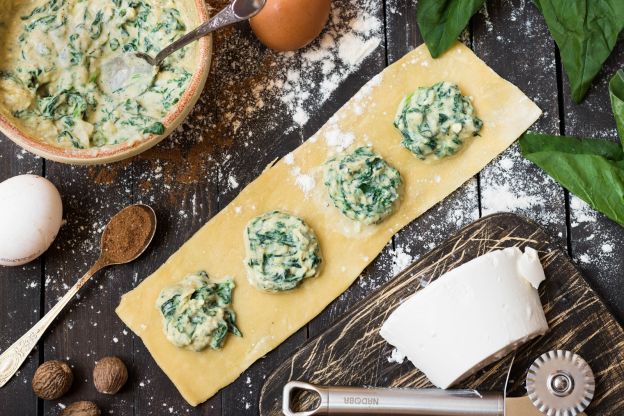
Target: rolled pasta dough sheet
{"type": "Point", "coordinates": [268, 319]}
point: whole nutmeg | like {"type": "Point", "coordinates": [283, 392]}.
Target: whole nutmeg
{"type": "Point", "coordinates": [52, 379]}
{"type": "Point", "coordinates": [109, 375]}
{"type": "Point", "coordinates": [81, 409]}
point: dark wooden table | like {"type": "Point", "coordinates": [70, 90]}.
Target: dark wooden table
{"type": "Point", "coordinates": [221, 148]}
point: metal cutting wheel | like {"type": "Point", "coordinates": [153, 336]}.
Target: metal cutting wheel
{"type": "Point", "coordinates": [560, 383]}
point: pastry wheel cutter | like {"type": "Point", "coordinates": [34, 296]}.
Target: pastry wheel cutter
{"type": "Point", "coordinates": [559, 383]}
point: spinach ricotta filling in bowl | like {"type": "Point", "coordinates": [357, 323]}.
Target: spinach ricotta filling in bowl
{"type": "Point", "coordinates": [196, 312]}
{"type": "Point", "coordinates": [436, 121]}
{"type": "Point", "coordinates": [282, 250]}
{"type": "Point", "coordinates": [362, 185]}
{"type": "Point", "coordinates": [56, 50]}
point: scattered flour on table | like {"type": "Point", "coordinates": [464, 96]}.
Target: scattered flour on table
{"type": "Point", "coordinates": [597, 247]}
{"type": "Point", "coordinates": [400, 260]}
{"type": "Point", "coordinates": [486, 17]}
{"type": "Point", "coordinates": [353, 49]}
{"type": "Point", "coordinates": [302, 81]}
{"type": "Point", "coordinates": [505, 188]}
{"type": "Point", "coordinates": [232, 182]}
{"type": "Point", "coordinates": [581, 212]}
{"type": "Point", "coordinates": [427, 232]}
{"type": "Point", "coordinates": [607, 248]}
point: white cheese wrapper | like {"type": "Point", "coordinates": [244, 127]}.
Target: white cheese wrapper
{"type": "Point", "coordinates": [471, 316]}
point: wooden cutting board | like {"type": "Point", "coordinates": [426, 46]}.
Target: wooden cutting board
{"type": "Point", "coordinates": [352, 353]}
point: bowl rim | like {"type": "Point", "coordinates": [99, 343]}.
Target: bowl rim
{"type": "Point", "coordinates": [113, 153]}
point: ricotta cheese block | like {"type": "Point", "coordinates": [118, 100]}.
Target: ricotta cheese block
{"type": "Point", "coordinates": [471, 316]}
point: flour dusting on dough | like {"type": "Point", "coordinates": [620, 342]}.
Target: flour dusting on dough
{"type": "Point", "coordinates": [338, 139]}
{"type": "Point", "coordinates": [305, 182]}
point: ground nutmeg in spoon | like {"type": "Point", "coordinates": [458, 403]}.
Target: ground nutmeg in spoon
{"type": "Point", "coordinates": [127, 234]}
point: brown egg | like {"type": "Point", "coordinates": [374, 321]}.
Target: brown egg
{"type": "Point", "coordinates": [287, 25]}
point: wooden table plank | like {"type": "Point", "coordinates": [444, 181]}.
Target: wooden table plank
{"type": "Point", "coordinates": [512, 38]}
{"type": "Point", "coordinates": [458, 209]}
{"type": "Point", "coordinates": [596, 242]}
{"type": "Point", "coordinates": [179, 179]}
{"type": "Point", "coordinates": [377, 272]}
{"type": "Point", "coordinates": [21, 289]}
{"type": "Point", "coordinates": [183, 202]}
{"type": "Point", "coordinates": [247, 147]}
{"type": "Point", "coordinates": [87, 329]}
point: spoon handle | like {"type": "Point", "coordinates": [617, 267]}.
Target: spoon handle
{"type": "Point", "coordinates": [225, 17]}
{"type": "Point", "coordinates": [13, 357]}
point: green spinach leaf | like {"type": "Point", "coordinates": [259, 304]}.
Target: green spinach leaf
{"type": "Point", "coordinates": [581, 167]}
{"type": "Point", "coordinates": [592, 169]}
{"type": "Point", "coordinates": [535, 143]}
{"type": "Point", "coordinates": [586, 32]}
{"type": "Point", "coordinates": [442, 21]}
{"type": "Point", "coordinates": [616, 91]}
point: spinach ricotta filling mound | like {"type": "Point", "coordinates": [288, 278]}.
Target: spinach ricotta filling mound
{"type": "Point", "coordinates": [282, 250]}
{"type": "Point", "coordinates": [55, 52]}
{"type": "Point", "coordinates": [362, 185]}
{"type": "Point", "coordinates": [196, 312]}
{"type": "Point", "coordinates": [436, 121]}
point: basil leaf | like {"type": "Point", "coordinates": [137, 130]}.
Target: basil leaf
{"type": "Point", "coordinates": [593, 170]}
{"type": "Point", "coordinates": [616, 91]}
{"type": "Point", "coordinates": [586, 32]}
{"type": "Point", "coordinates": [442, 21]}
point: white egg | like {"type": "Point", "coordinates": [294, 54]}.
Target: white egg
{"type": "Point", "coordinates": [31, 213]}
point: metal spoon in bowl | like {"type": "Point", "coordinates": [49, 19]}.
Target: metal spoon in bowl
{"type": "Point", "coordinates": [118, 71]}
{"type": "Point", "coordinates": [125, 237]}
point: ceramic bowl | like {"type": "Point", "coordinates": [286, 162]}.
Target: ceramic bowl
{"type": "Point", "coordinates": [114, 153]}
